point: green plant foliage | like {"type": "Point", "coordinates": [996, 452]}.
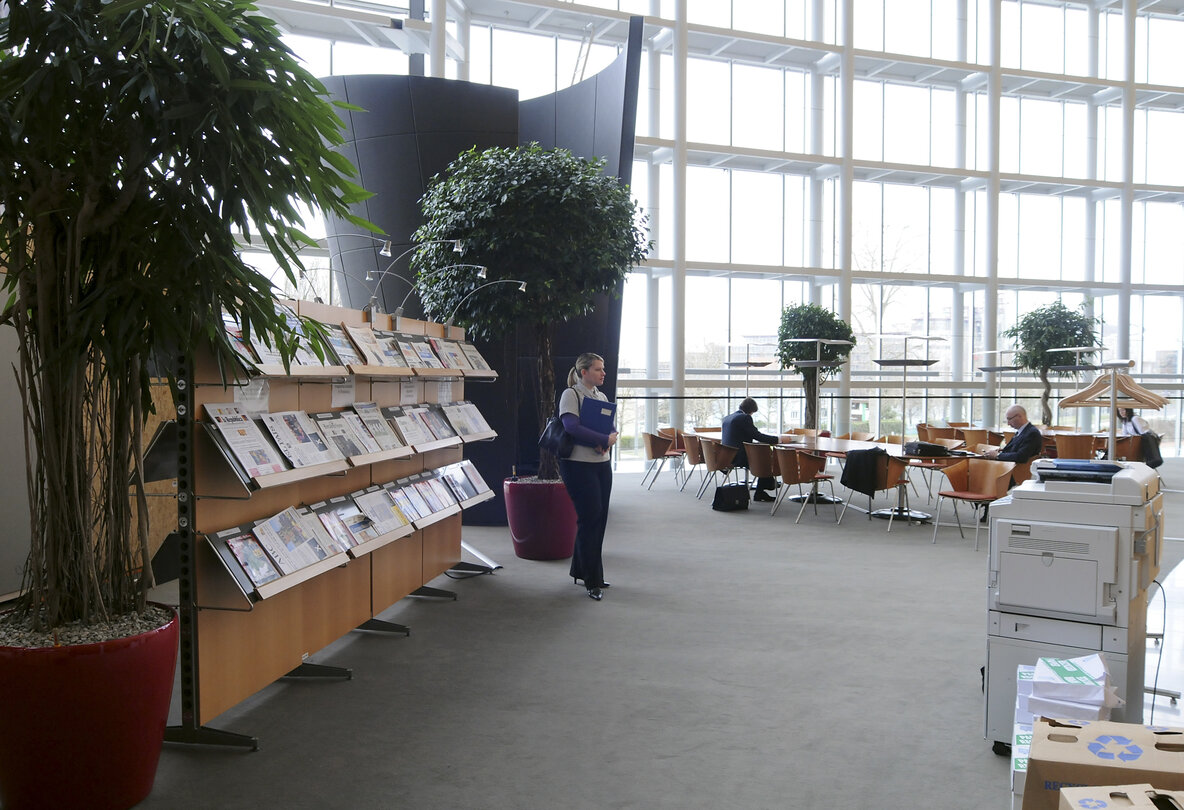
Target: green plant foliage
{"type": "Point", "coordinates": [1052, 327]}
{"type": "Point", "coordinates": [812, 321]}
{"type": "Point", "coordinates": [136, 138]}
{"type": "Point", "coordinates": [543, 216]}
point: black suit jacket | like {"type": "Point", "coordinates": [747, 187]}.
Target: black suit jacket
{"type": "Point", "coordinates": [1024, 445]}
{"type": "Point", "coordinates": [737, 429]}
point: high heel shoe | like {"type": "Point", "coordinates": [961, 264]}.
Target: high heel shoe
{"type": "Point", "coordinates": [577, 581]}
{"type": "Point", "coordinates": [595, 593]}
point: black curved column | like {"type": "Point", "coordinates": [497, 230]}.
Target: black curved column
{"type": "Point", "coordinates": [411, 129]}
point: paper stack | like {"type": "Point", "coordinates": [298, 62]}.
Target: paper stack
{"type": "Point", "coordinates": [1021, 738]}
{"type": "Point", "coordinates": [1073, 689]}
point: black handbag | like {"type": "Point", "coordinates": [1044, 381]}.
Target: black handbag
{"type": "Point", "coordinates": [730, 498]}
{"type": "Point", "coordinates": [1151, 456]}
{"type": "Point", "coordinates": [555, 439]}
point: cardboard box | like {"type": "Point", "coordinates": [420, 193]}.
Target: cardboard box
{"type": "Point", "coordinates": [1067, 753]}
{"type": "Point", "coordinates": [1116, 796]}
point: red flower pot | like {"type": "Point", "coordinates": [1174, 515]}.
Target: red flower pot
{"type": "Point", "coordinates": [541, 517]}
{"type": "Point", "coordinates": [83, 725]}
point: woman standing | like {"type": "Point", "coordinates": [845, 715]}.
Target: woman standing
{"type": "Point", "coordinates": [1129, 424]}
{"type": "Point", "coordinates": [586, 473]}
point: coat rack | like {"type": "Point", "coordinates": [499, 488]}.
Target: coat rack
{"type": "Point", "coordinates": [1113, 388]}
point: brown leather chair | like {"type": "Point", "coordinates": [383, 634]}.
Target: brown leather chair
{"type": "Point", "coordinates": [973, 436]}
{"type": "Point", "coordinates": [936, 432]}
{"type": "Point", "coordinates": [891, 473]}
{"type": "Point", "coordinates": [799, 467]}
{"type": "Point", "coordinates": [717, 458]}
{"type": "Point", "coordinates": [693, 459]}
{"type": "Point", "coordinates": [762, 463]}
{"type": "Point", "coordinates": [678, 448]}
{"type": "Point", "coordinates": [1075, 446]}
{"type": "Point", "coordinates": [976, 481]}
{"type": "Point", "coordinates": [656, 448]}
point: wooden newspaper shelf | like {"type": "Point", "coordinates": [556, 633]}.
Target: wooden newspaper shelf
{"type": "Point", "coordinates": [303, 575]}
{"type": "Point", "coordinates": [298, 372]}
{"type": "Point", "coordinates": [479, 437]}
{"type": "Point", "coordinates": [370, 546]}
{"type": "Point", "coordinates": [438, 373]}
{"type": "Point", "coordinates": [479, 374]}
{"type": "Point", "coordinates": [436, 517]}
{"type": "Point", "coordinates": [476, 499]}
{"type": "Point", "coordinates": [300, 474]}
{"type": "Point", "coordinates": [438, 444]}
{"type": "Point", "coordinates": [381, 455]}
{"type": "Point", "coordinates": [386, 372]}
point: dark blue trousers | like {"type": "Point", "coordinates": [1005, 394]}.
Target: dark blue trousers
{"type": "Point", "coordinates": [589, 484]}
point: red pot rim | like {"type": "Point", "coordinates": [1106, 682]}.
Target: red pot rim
{"type": "Point", "coordinates": [81, 648]}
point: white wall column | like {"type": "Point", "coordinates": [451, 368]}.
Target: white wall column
{"type": "Point", "coordinates": [652, 206]}
{"type": "Point", "coordinates": [994, 91]}
{"type": "Point", "coordinates": [846, 182]}
{"type": "Point", "coordinates": [817, 187]}
{"type": "Point", "coordinates": [1129, 16]}
{"type": "Point", "coordinates": [958, 319]}
{"type": "Point", "coordinates": [439, 37]}
{"type": "Point", "coordinates": [678, 278]}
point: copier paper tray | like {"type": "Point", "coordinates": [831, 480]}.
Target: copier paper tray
{"type": "Point", "coordinates": [1070, 469]}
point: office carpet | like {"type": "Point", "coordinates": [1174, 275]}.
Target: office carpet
{"type": "Point", "coordinates": [737, 661]}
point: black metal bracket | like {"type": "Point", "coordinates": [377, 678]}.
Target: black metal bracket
{"type": "Point", "coordinates": [209, 736]}
{"type": "Point", "coordinates": [309, 670]}
{"type": "Point", "coordinates": [380, 626]}
{"type": "Point", "coordinates": [425, 592]}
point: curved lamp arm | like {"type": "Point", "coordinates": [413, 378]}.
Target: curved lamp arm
{"type": "Point", "coordinates": [386, 243]}
{"type": "Point", "coordinates": [457, 246]}
{"type": "Point", "coordinates": [480, 268]}
{"type": "Point", "coordinates": [521, 288]}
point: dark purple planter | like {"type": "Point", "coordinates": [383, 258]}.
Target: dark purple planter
{"type": "Point", "coordinates": [541, 518]}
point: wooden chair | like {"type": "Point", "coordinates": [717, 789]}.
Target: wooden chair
{"type": "Point", "coordinates": [656, 453]}
{"type": "Point", "coordinates": [678, 448]}
{"type": "Point", "coordinates": [1022, 472]}
{"type": "Point", "coordinates": [976, 481]}
{"type": "Point", "coordinates": [995, 438]}
{"type": "Point", "coordinates": [923, 432]}
{"type": "Point", "coordinates": [950, 444]}
{"type": "Point", "coordinates": [958, 424]}
{"type": "Point", "coordinates": [936, 432]}
{"type": "Point", "coordinates": [862, 436]}
{"type": "Point", "coordinates": [804, 431]}
{"type": "Point", "coordinates": [1128, 448]}
{"type": "Point", "coordinates": [891, 473]}
{"type": "Point", "coordinates": [694, 458]}
{"type": "Point", "coordinates": [717, 458]}
{"type": "Point", "coordinates": [891, 438]}
{"type": "Point", "coordinates": [799, 467]}
{"type": "Point", "coordinates": [1075, 446]}
{"type": "Point", "coordinates": [973, 436]}
{"type": "Point", "coordinates": [762, 463]}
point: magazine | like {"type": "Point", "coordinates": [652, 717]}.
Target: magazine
{"type": "Point", "coordinates": [288, 541]}
{"type": "Point", "coordinates": [326, 539]}
{"type": "Point", "coordinates": [450, 353]}
{"type": "Point", "coordinates": [388, 344]}
{"type": "Point", "coordinates": [421, 506]}
{"type": "Point", "coordinates": [442, 491]}
{"type": "Point", "coordinates": [474, 357]}
{"type": "Point", "coordinates": [429, 495]}
{"type": "Point", "coordinates": [377, 505]}
{"type": "Point", "coordinates": [476, 418]}
{"type": "Point", "coordinates": [423, 350]}
{"type": "Point", "coordinates": [459, 419]}
{"type": "Point", "coordinates": [461, 486]}
{"type": "Point", "coordinates": [362, 432]}
{"type": "Point", "coordinates": [367, 345]}
{"type": "Point", "coordinates": [403, 502]}
{"type": "Point", "coordinates": [432, 418]}
{"type": "Point", "coordinates": [380, 429]}
{"type": "Point", "coordinates": [341, 434]}
{"type": "Point", "coordinates": [411, 430]}
{"type": "Point", "coordinates": [235, 332]}
{"type": "Point", "coordinates": [254, 559]}
{"type": "Point", "coordinates": [409, 353]}
{"type": "Point", "coordinates": [298, 438]}
{"type": "Point", "coordinates": [245, 440]}
{"type": "Point", "coordinates": [342, 517]}
{"type": "Point", "coordinates": [475, 477]}
{"type": "Point", "coordinates": [347, 355]}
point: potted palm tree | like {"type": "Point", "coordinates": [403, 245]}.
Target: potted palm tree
{"type": "Point", "coordinates": [542, 217]}
{"type": "Point", "coordinates": [137, 138]}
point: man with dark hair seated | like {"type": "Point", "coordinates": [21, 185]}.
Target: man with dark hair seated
{"type": "Point", "coordinates": [739, 428]}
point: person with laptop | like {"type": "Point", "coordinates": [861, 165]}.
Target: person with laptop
{"type": "Point", "coordinates": [588, 416]}
{"type": "Point", "coordinates": [1025, 445]}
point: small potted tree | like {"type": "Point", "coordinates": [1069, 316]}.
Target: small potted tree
{"type": "Point", "coordinates": [138, 137]}
{"type": "Point", "coordinates": [540, 216]}
{"type": "Point", "coordinates": [1052, 327]}
{"type": "Point", "coordinates": [802, 338]}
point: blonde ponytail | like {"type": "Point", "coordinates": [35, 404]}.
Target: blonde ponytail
{"type": "Point", "coordinates": [583, 363]}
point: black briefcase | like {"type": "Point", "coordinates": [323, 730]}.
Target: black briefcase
{"type": "Point", "coordinates": [730, 497]}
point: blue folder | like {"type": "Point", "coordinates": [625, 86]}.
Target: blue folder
{"type": "Point", "coordinates": [598, 415]}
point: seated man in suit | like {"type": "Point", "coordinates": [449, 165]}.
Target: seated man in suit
{"type": "Point", "coordinates": [1024, 446]}
{"type": "Point", "coordinates": [1027, 442]}
{"type": "Point", "coordinates": [737, 429]}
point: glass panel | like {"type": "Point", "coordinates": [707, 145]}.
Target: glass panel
{"type": "Point", "coordinates": [708, 104]}
{"type": "Point", "coordinates": [1038, 257]}
{"type": "Point", "coordinates": [869, 24]}
{"type": "Point", "coordinates": [868, 132]}
{"type": "Point", "coordinates": [762, 16]}
{"type": "Point", "coordinates": [906, 229]}
{"type": "Point", "coordinates": [757, 107]}
{"type": "Point", "coordinates": [907, 27]}
{"type": "Point", "coordinates": [708, 214]}
{"type": "Point", "coordinates": [906, 124]}
{"type": "Point", "coordinates": [1165, 134]}
{"type": "Point", "coordinates": [756, 218]}
{"type": "Point", "coordinates": [524, 61]}
{"type": "Point", "coordinates": [1164, 224]}
{"type": "Point", "coordinates": [1043, 46]}
{"type": "Point", "coordinates": [1165, 42]}
{"type": "Point", "coordinates": [1041, 137]}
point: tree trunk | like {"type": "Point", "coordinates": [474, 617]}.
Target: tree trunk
{"type": "Point", "coordinates": [548, 464]}
{"type": "Point", "coordinates": [810, 386]}
{"type": "Point", "coordinates": [1045, 408]}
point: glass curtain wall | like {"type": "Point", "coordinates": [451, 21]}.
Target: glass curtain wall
{"type": "Point", "coordinates": [927, 168]}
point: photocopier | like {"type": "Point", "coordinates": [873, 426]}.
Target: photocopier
{"type": "Point", "coordinates": [1072, 553]}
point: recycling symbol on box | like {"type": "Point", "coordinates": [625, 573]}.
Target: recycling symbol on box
{"type": "Point", "coordinates": [1092, 804]}
{"type": "Point", "coordinates": [1115, 747]}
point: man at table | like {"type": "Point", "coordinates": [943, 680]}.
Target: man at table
{"type": "Point", "coordinates": [737, 429]}
{"type": "Point", "coordinates": [1027, 442]}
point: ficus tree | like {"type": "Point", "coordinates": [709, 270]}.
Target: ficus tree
{"type": "Point", "coordinates": [1052, 327]}
{"type": "Point", "coordinates": [800, 326]}
{"type": "Point", "coordinates": [541, 216]}
{"type": "Point", "coordinates": [138, 139]}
